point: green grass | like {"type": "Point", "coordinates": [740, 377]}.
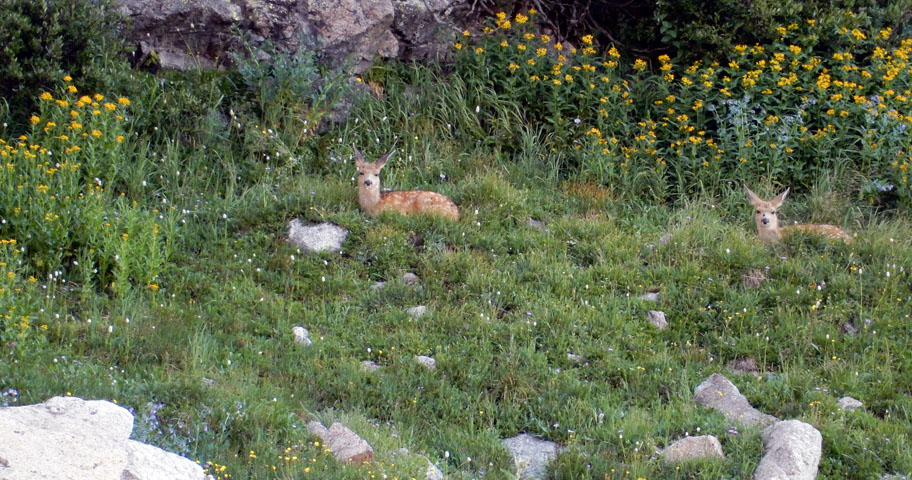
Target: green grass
{"type": "Point", "coordinates": [207, 361]}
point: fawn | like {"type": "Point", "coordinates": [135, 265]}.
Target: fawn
{"type": "Point", "coordinates": [768, 223]}
{"type": "Point", "coordinates": [406, 202]}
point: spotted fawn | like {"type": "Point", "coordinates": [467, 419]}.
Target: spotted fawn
{"type": "Point", "coordinates": [768, 221]}
{"type": "Point", "coordinates": [406, 202]}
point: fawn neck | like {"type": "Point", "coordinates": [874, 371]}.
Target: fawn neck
{"type": "Point", "coordinates": [368, 186]}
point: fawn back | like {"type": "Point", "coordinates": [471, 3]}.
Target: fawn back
{"type": "Point", "coordinates": [767, 219]}
{"type": "Point", "coordinates": [406, 202]}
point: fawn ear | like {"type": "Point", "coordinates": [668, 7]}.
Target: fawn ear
{"type": "Point", "coordinates": [359, 159]}
{"type": "Point", "coordinates": [777, 202]}
{"type": "Point", "coordinates": [751, 196]}
{"type": "Point", "coordinates": [380, 163]}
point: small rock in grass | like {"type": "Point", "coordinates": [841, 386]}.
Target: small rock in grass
{"type": "Point", "coordinates": [650, 296]}
{"type": "Point", "coordinates": [378, 285]}
{"type": "Point", "coordinates": [536, 223]}
{"type": "Point", "coordinates": [574, 358]}
{"type": "Point", "coordinates": [323, 237]}
{"type": "Point", "coordinates": [793, 451]}
{"type": "Point", "coordinates": [369, 366]}
{"type": "Point", "coordinates": [301, 335]}
{"type": "Point", "coordinates": [428, 362]}
{"type": "Point", "coordinates": [410, 278]}
{"type": "Point", "coordinates": [850, 404]}
{"type": "Point", "coordinates": [416, 312]}
{"type": "Point", "coordinates": [693, 448]}
{"type": "Point", "coordinates": [531, 455]}
{"type": "Point", "coordinates": [665, 239]}
{"type": "Point", "coordinates": [719, 393]}
{"type": "Point", "coordinates": [344, 444]}
{"type": "Point", "coordinates": [657, 318]}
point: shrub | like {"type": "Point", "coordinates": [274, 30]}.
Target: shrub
{"type": "Point", "coordinates": [41, 40]}
{"type": "Point", "coordinates": [56, 202]}
{"type": "Point", "coordinates": [776, 111]}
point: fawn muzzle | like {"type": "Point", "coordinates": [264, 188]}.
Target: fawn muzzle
{"type": "Point", "coordinates": [367, 183]}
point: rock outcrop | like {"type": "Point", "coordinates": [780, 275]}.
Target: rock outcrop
{"type": "Point", "coordinates": [182, 34]}
{"type": "Point", "coordinates": [68, 437]}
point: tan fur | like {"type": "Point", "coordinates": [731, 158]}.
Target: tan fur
{"type": "Point", "coordinates": [406, 202]}
{"type": "Point", "coordinates": [767, 219]}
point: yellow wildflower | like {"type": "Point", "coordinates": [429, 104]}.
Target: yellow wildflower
{"type": "Point", "coordinates": [35, 119]}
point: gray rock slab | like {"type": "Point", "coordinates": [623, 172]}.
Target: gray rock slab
{"type": "Point", "coordinates": [793, 451]}
{"type": "Point", "coordinates": [345, 444]}
{"type": "Point", "coordinates": [657, 318]}
{"type": "Point", "coordinates": [719, 393]}
{"type": "Point", "coordinates": [321, 237]}
{"type": "Point", "coordinates": [68, 438]}
{"type": "Point", "coordinates": [850, 404]}
{"type": "Point", "coordinates": [531, 455]}
{"type": "Point", "coordinates": [693, 448]}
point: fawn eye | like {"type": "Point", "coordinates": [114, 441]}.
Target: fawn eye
{"type": "Point", "coordinates": [758, 212]}
{"type": "Point", "coordinates": [772, 213]}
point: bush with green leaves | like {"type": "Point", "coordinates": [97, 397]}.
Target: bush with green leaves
{"type": "Point", "coordinates": [42, 40]}
{"type": "Point", "coordinates": [776, 112]}
{"type": "Point", "coordinates": [57, 200]}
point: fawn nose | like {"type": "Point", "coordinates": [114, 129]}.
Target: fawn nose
{"type": "Point", "coordinates": [765, 221]}
{"type": "Point", "coordinates": [367, 183]}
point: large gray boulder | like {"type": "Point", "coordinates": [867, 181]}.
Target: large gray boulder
{"type": "Point", "coordinates": [68, 438]}
{"type": "Point", "coordinates": [184, 34]}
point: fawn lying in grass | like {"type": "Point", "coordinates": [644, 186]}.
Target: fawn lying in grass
{"type": "Point", "coordinates": [768, 222]}
{"type": "Point", "coordinates": [406, 202]}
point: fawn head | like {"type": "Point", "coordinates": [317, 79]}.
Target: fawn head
{"type": "Point", "coordinates": [766, 213]}
{"type": "Point", "coordinates": [369, 173]}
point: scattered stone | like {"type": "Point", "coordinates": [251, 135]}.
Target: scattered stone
{"type": "Point", "coordinates": [531, 455]}
{"type": "Point", "coordinates": [850, 404]}
{"type": "Point", "coordinates": [68, 437]}
{"type": "Point", "coordinates": [793, 450]}
{"type": "Point", "coordinates": [416, 312]}
{"type": "Point", "coordinates": [657, 318]}
{"type": "Point", "coordinates": [369, 366]}
{"type": "Point", "coordinates": [323, 237]}
{"type": "Point", "coordinates": [378, 285]}
{"type": "Point", "coordinates": [665, 238]}
{"type": "Point", "coordinates": [410, 278]}
{"type": "Point", "coordinates": [650, 296]}
{"type": "Point", "coordinates": [428, 362]}
{"type": "Point", "coordinates": [720, 394]}
{"type": "Point", "coordinates": [536, 223]}
{"type": "Point", "coordinates": [849, 328]}
{"type": "Point", "coordinates": [345, 444]}
{"type": "Point", "coordinates": [574, 358]}
{"type": "Point", "coordinates": [207, 382]}
{"type": "Point", "coordinates": [744, 365]}
{"type": "Point", "coordinates": [301, 335]}
{"type": "Point", "coordinates": [693, 448]}
{"type": "Point", "coordinates": [753, 277]}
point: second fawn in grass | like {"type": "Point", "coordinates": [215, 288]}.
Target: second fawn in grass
{"type": "Point", "coordinates": [407, 202]}
{"type": "Point", "coordinates": [768, 221]}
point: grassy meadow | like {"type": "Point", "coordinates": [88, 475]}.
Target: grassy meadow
{"type": "Point", "coordinates": [143, 257]}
